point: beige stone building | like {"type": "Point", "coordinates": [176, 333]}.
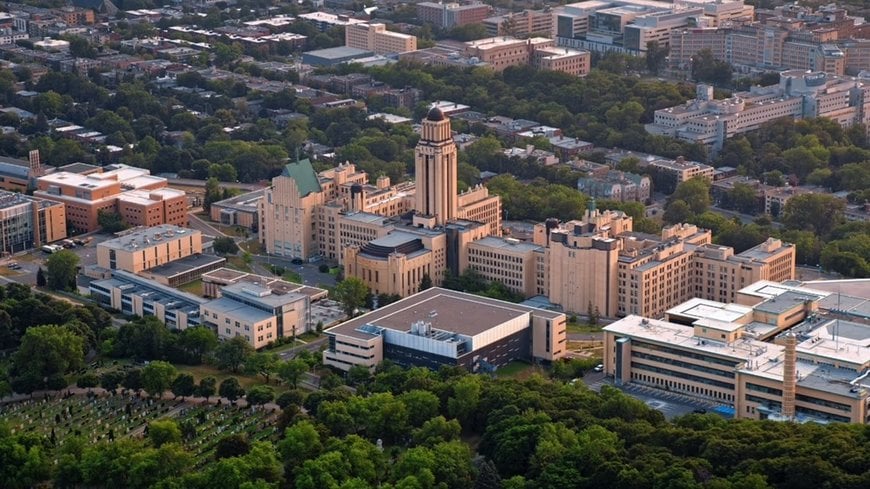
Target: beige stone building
{"type": "Point", "coordinates": [377, 39]}
{"type": "Point", "coordinates": [148, 248]}
{"type": "Point", "coordinates": [780, 358]}
{"type": "Point", "coordinates": [539, 52]}
{"type": "Point", "coordinates": [443, 327]}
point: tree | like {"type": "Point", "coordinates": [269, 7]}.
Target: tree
{"type": "Point", "coordinates": [62, 269]}
{"type": "Point", "coordinates": [234, 445]}
{"type": "Point", "coordinates": [225, 246]}
{"type": "Point", "coordinates": [819, 213]}
{"type": "Point", "coordinates": [162, 431]}
{"type": "Point", "coordinates": [232, 354]}
{"type": "Point", "coordinates": [110, 221]}
{"type": "Point", "coordinates": [183, 385]}
{"type": "Point", "coordinates": [88, 381]}
{"type": "Point", "coordinates": [231, 389]}
{"type": "Point", "coordinates": [206, 387]}
{"type": "Point", "coordinates": [111, 380]}
{"type": "Point", "coordinates": [677, 212]}
{"type": "Point", "coordinates": [40, 277]}
{"type": "Point", "coordinates": [695, 192]}
{"type": "Point", "coordinates": [196, 342]}
{"type": "Point", "coordinates": [358, 375]}
{"type": "Point", "coordinates": [263, 363]}
{"type": "Point", "coordinates": [260, 394]}
{"type": "Point", "coordinates": [47, 351]}
{"type": "Point", "coordinates": [157, 377]}
{"type": "Point", "coordinates": [425, 282]}
{"type": "Point", "coordinates": [290, 398]}
{"type": "Point", "coordinates": [656, 55]}
{"type": "Point", "coordinates": [706, 68]}
{"type": "Point", "coordinates": [133, 379]}
{"type": "Point", "coordinates": [212, 193]}
{"type": "Point", "coordinates": [351, 292]}
{"type": "Point", "coordinates": [291, 370]}
{"type": "Point", "coordinates": [742, 198]}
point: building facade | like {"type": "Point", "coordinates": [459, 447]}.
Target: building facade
{"type": "Point", "coordinates": [29, 222]}
{"type": "Point", "coordinates": [443, 327]}
{"type": "Point", "coordinates": [377, 39]}
{"type": "Point", "coordinates": [541, 53]}
{"type": "Point", "coordinates": [799, 94]}
{"type": "Point", "coordinates": [774, 360]}
{"type": "Point", "coordinates": [148, 248]}
{"type": "Point", "coordinates": [140, 198]}
{"type": "Point", "coordinates": [450, 15]}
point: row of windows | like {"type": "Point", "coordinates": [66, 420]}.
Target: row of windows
{"type": "Point", "coordinates": [686, 365]}
{"type": "Point", "coordinates": [684, 353]}
{"type": "Point", "coordinates": [681, 375]}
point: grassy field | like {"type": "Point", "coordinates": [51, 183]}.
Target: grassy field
{"type": "Point", "coordinates": [238, 263]}
{"type": "Point", "coordinates": [517, 370]}
{"type": "Point", "coordinates": [246, 381]}
{"type": "Point", "coordinates": [194, 287]}
{"type": "Point", "coordinates": [582, 328]}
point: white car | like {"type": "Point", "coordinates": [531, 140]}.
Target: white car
{"type": "Point", "coordinates": [599, 368]}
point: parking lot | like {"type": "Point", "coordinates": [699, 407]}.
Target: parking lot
{"type": "Point", "coordinates": [668, 403]}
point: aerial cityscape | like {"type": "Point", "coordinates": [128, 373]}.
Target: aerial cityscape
{"type": "Point", "coordinates": [475, 244]}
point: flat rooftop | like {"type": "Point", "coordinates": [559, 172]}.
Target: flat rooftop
{"type": "Point", "coordinates": [238, 310]}
{"type": "Point", "coordinates": [682, 336]}
{"type": "Point", "coordinates": [785, 301]}
{"type": "Point", "coordinates": [446, 310]}
{"type": "Point", "coordinates": [245, 202]}
{"type": "Point", "coordinates": [275, 294]}
{"type": "Point", "coordinates": [186, 264]}
{"type": "Point", "coordinates": [252, 281]}
{"type": "Point", "coordinates": [507, 244]}
{"type": "Point", "coordinates": [765, 289]}
{"type": "Point", "coordinates": [701, 308]}
{"type": "Point", "coordinates": [143, 237]}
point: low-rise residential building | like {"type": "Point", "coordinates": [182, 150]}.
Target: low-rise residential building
{"type": "Point", "coordinates": [439, 327]}
{"type": "Point", "coordinates": [776, 198]}
{"type": "Point", "coordinates": [617, 185]}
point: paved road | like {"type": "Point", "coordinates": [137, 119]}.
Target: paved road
{"type": "Point", "coordinates": [311, 275]}
{"type": "Point", "coordinates": [312, 346]}
{"type": "Point", "coordinates": [188, 182]}
{"type": "Point", "coordinates": [669, 403]}
{"type": "Point", "coordinates": [744, 218]}
{"type": "Point", "coordinates": [196, 222]}
{"type": "Point", "coordinates": [585, 336]}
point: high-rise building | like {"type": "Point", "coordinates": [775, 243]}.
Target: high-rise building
{"type": "Point", "coordinates": [436, 169]}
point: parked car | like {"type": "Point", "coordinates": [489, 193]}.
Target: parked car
{"type": "Point", "coordinates": [599, 368]}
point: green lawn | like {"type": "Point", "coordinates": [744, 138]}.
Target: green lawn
{"type": "Point", "coordinates": [582, 328]}
{"type": "Point", "coordinates": [194, 287]}
{"type": "Point", "coordinates": [292, 276]}
{"type": "Point", "coordinates": [516, 369]}
{"type": "Point", "coordinates": [246, 381]}
{"type": "Point", "coordinates": [238, 263]}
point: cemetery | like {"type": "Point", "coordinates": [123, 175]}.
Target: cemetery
{"type": "Point", "coordinates": [116, 415]}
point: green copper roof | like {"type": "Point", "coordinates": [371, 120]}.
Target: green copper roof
{"type": "Point", "coordinates": [303, 174]}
